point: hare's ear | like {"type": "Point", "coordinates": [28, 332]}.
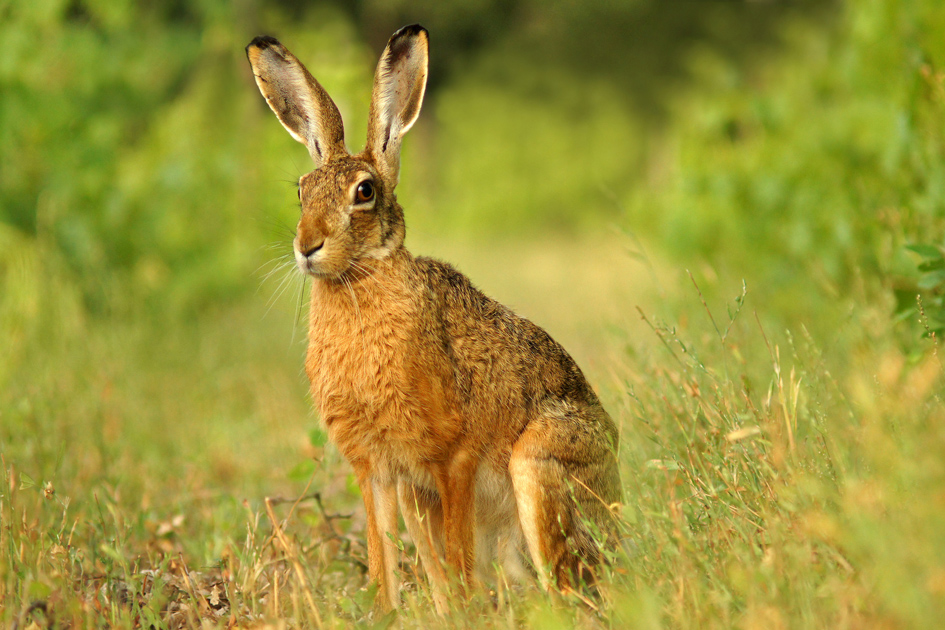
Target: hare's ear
{"type": "Point", "coordinates": [399, 84]}
{"type": "Point", "coordinates": [301, 104]}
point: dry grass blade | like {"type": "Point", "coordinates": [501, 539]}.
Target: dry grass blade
{"type": "Point", "coordinates": [289, 550]}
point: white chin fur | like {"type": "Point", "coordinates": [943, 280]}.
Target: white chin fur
{"type": "Point", "coordinates": [301, 262]}
{"type": "Point", "coordinates": [308, 265]}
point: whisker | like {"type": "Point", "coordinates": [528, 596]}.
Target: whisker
{"type": "Point", "coordinates": [276, 263]}
{"type": "Point", "coordinates": [358, 266]}
{"type": "Point", "coordinates": [303, 277]}
{"type": "Point", "coordinates": [298, 308]}
{"type": "Point", "coordinates": [279, 266]}
{"type": "Point", "coordinates": [277, 245]}
{"type": "Point", "coordinates": [287, 278]}
{"type": "Point", "coordinates": [367, 271]}
{"type": "Point", "coordinates": [282, 287]}
{"type": "Point", "coordinates": [276, 226]}
{"type": "Point", "coordinates": [357, 310]}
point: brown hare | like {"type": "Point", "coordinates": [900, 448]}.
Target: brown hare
{"type": "Point", "coordinates": [471, 418]}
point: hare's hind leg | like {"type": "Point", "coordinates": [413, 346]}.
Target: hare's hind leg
{"type": "Point", "coordinates": [545, 513]}
{"type": "Point", "coordinates": [564, 474]}
{"type": "Point", "coordinates": [423, 517]}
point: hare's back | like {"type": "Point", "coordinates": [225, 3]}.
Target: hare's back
{"type": "Point", "coordinates": [519, 386]}
{"type": "Point", "coordinates": [495, 349]}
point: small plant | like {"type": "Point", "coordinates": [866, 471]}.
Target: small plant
{"type": "Point", "coordinates": [931, 299]}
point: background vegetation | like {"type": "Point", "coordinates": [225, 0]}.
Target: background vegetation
{"type": "Point", "coordinates": [733, 215]}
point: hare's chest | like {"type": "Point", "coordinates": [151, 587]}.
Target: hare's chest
{"type": "Point", "coordinates": [381, 390]}
{"type": "Point", "coordinates": [356, 352]}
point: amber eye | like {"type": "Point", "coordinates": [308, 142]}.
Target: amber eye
{"type": "Point", "coordinates": [365, 192]}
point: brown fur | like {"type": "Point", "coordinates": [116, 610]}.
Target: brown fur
{"type": "Point", "coordinates": [473, 419]}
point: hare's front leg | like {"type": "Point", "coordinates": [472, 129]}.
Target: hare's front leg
{"type": "Point", "coordinates": [456, 485]}
{"type": "Point", "coordinates": [423, 516]}
{"type": "Point", "coordinates": [380, 504]}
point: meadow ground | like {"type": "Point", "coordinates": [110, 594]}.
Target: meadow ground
{"type": "Point", "coordinates": [178, 477]}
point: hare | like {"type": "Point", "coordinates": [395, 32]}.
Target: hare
{"type": "Point", "coordinates": [471, 418]}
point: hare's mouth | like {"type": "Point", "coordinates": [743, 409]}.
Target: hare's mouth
{"type": "Point", "coordinates": [310, 267]}
{"type": "Point", "coordinates": [308, 259]}
{"type": "Point", "coordinates": [315, 268]}
{"type": "Point", "coordinates": [318, 265]}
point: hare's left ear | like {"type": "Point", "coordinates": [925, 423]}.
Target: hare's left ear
{"type": "Point", "coordinates": [399, 84]}
{"type": "Point", "coordinates": [301, 104]}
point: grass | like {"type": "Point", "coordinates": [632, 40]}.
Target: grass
{"type": "Point", "coordinates": [772, 478]}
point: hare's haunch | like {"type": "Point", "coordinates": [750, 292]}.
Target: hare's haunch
{"type": "Point", "coordinates": [475, 421]}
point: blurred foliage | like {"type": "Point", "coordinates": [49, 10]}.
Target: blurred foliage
{"type": "Point", "coordinates": [146, 165]}
{"type": "Point", "coordinates": [135, 132]}
{"type": "Point", "coordinates": [810, 176]}
{"type": "Point", "coordinates": [549, 123]}
{"type": "Point", "coordinates": [931, 303]}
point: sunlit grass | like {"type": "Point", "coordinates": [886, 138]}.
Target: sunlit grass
{"type": "Point", "coordinates": [772, 479]}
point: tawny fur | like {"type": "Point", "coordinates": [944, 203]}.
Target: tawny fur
{"type": "Point", "coordinates": [478, 424]}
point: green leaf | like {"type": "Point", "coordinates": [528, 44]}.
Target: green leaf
{"type": "Point", "coordinates": [348, 606]}
{"type": "Point", "coordinates": [364, 598]}
{"type": "Point", "coordinates": [39, 591]}
{"type": "Point", "coordinates": [351, 483]}
{"type": "Point", "coordinates": [926, 251]}
{"type": "Point", "coordinates": [302, 471]}
{"type": "Point", "coordinates": [932, 265]}
{"type": "Point", "coordinates": [662, 464]}
{"type": "Point", "coordinates": [385, 622]}
{"type": "Point", "coordinates": [317, 437]}
{"type": "Point", "coordinates": [932, 280]}
{"type": "Point", "coordinates": [397, 541]}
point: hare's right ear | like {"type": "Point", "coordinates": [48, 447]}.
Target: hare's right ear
{"type": "Point", "coordinates": [301, 104]}
{"type": "Point", "coordinates": [399, 84]}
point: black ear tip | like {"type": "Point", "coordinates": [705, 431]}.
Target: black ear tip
{"type": "Point", "coordinates": [263, 42]}
{"type": "Point", "coordinates": [411, 30]}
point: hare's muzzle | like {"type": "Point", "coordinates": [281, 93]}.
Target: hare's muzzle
{"type": "Point", "coordinates": [307, 254]}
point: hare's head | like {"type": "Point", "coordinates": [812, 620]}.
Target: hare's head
{"type": "Point", "coordinates": [349, 211]}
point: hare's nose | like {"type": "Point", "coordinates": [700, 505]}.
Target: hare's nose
{"type": "Point", "coordinates": [311, 250]}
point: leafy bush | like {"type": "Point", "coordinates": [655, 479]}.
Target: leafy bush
{"type": "Point", "coordinates": [136, 131]}
{"type": "Point", "coordinates": [816, 171]}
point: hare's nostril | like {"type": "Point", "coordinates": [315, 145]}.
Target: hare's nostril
{"type": "Point", "coordinates": [311, 250]}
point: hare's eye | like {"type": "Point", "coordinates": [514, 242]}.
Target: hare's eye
{"type": "Point", "coordinates": [365, 192]}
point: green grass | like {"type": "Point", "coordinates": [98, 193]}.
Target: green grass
{"type": "Point", "coordinates": [772, 479]}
